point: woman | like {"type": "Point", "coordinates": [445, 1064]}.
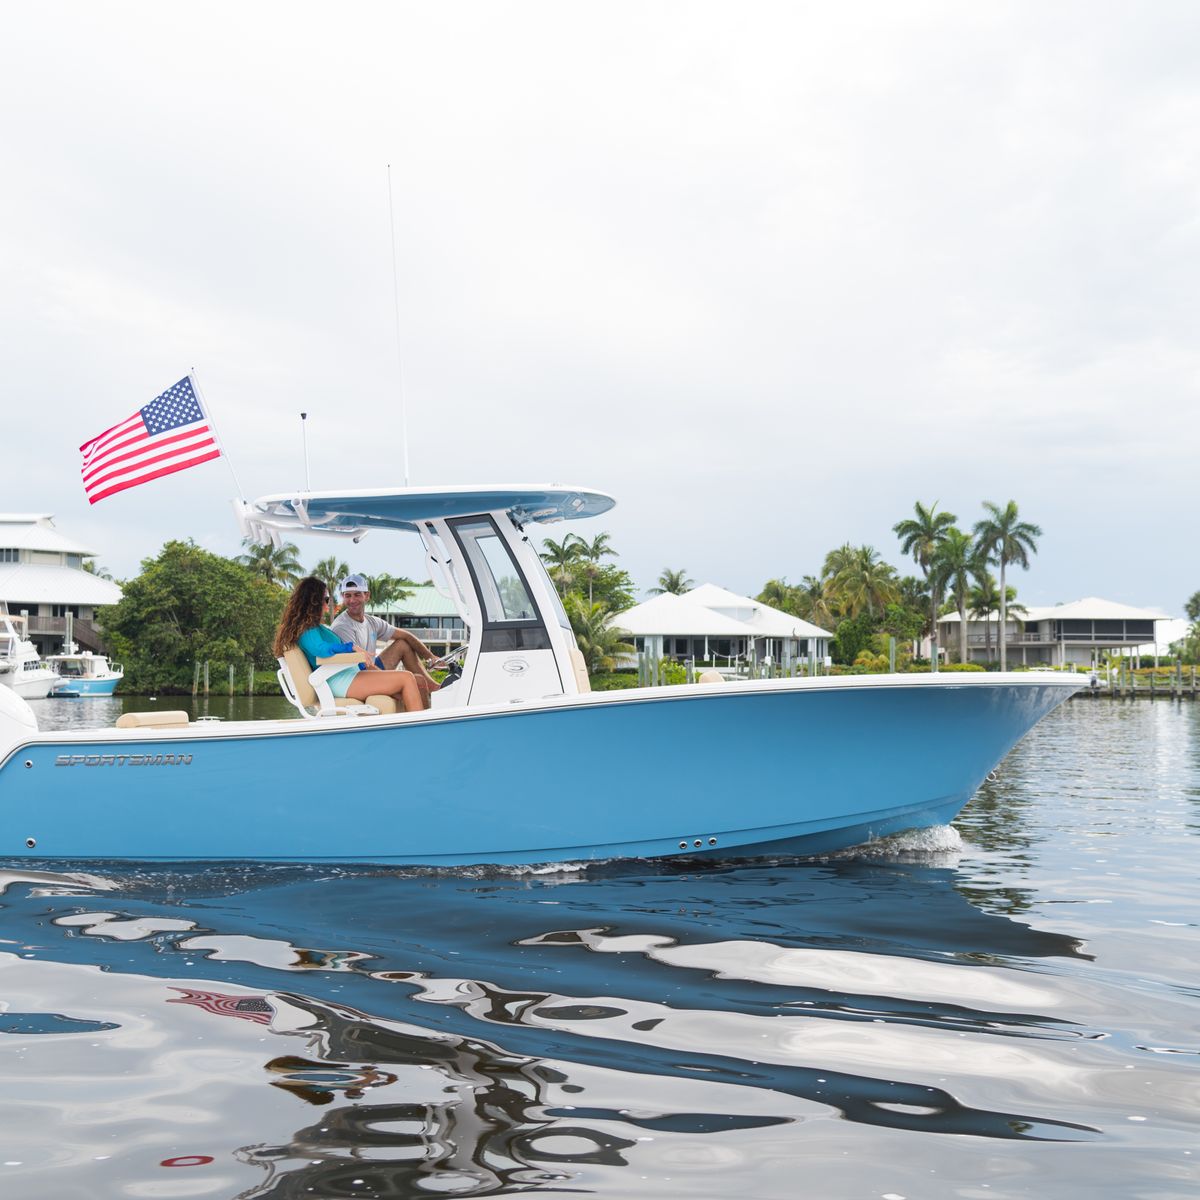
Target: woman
{"type": "Point", "coordinates": [301, 626]}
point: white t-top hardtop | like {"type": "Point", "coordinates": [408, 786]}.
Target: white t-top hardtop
{"type": "Point", "coordinates": [402, 508]}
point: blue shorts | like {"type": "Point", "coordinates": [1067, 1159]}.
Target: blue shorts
{"type": "Point", "coordinates": [339, 684]}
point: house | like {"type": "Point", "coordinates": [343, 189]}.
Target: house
{"type": "Point", "coordinates": [710, 623]}
{"type": "Point", "coordinates": [1080, 633]}
{"type": "Point", "coordinates": [428, 614]}
{"type": "Point", "coordinates": [42, 576]}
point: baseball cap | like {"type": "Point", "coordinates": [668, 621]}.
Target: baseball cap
{"type": "Point", "coordinates": [355, 583]}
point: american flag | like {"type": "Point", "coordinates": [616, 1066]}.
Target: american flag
{"type": "Point", "coordinates": [249, 1008]}
{"type": "Point", "coordinates": [170, 434]}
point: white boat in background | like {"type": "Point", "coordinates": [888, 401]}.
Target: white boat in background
{"type": "Point", "coordinates": [82, 673]}
{"type": "Point", "coordinates": [20, 666]}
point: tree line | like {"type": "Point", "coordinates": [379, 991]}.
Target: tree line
{"type": "Point", "coordinates": [188, 605]}
{"type": "Point", "coordinates": [858, 596]}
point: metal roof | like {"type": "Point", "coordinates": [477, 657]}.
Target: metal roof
{"type": "Point", "coordinates": [679, 616]}
{"type": "Point", "coordinates": [26, 583]}
{"type": "Point", "coordinates": [1091, 608]}
{"type": "Point", "coordinates": [424, 600]}
{"type": "Point", "coordinates": [35, 531]}
{"type": "Point", "coordinates": [765, 620]}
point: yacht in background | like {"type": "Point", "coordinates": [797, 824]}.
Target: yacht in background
{"type": "Point", "coordinates": [20, 667]}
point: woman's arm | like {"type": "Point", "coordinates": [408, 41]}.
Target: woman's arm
{"type": "Point", "coordinates": [349, 657]}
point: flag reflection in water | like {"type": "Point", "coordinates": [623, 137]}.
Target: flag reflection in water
{"type": "Point", "coordinates": [473, 1115]}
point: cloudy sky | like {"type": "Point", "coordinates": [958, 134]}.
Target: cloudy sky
{"type": "Point", "coordinates": [766, 272]}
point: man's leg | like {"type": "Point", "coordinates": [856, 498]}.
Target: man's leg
{"type": "Point", "coordinates": [400, 655]}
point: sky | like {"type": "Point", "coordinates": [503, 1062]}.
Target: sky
{"type": "Point", "coordinates": [767, 273]}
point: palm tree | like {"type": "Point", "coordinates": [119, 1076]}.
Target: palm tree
{"type": "Point", "coordinates": [331, 572]}
{"type": "Point", "coordinates": [955, 567]}
{"type": "Point", "coordinates": [778, 593]}
{"type": "Point", "coordinates": [921, 536]}
{"type": "Point", "coordinates": [862, 580]}
{"type": "Point", "coordinates": [675, 582]}
{"type": "Point", "coordinates": [277, 565]}
{"type": "Point", "coordinates": [388, 589]}
{"type": "Point", "coordinates": [984, 600]}
{"type": "Point", "coordinates": [93, 568]}
{"type": "Point", "coordinates": [561, 558]}
{"type": "Point", "coordinates": [1004, 538]}
{"type": "Point", "coordinates": [837, 561]}
{"type": "Point", "coordinates": [813, 602]}
{"type": "Point", "coordinates": [590, 554]}
{"type": "Point", "coordinates": [600, 642]}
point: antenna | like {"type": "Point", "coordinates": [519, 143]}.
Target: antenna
{"type": "Point", "coordinates": [396, 306]}
{"type": "Point", "coordinates": [304, 435]}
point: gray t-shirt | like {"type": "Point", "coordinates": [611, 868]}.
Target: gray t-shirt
{"type": "Point", "coordinates": [364, 633]}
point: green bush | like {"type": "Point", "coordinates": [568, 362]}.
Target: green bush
{"type": "Point", "coordinates": [924, 668]}
{"type": "Point", "coordinates": [671, 672]}
{"type": "Point", "coordinates": [614, 681]}
{"type": "Point", "coordinates": [190, 606]}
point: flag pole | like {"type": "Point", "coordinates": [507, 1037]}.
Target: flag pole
{"type": "Point", "coordinates": [213, 426]}
{"type": "Point", "coordinates": [399, 354]}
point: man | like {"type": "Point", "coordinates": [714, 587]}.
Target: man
{"type": "Point", "coordinates": [406, 652]}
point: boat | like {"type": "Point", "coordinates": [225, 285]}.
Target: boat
{"type": "Point", "coordinates": [21, 668]}
{"type": "Point", "coordinates": [517, 762]}
{"type": "Point", "coordinates": [82, 673]}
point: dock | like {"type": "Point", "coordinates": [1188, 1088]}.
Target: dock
{"type": "Point", "coordinates": [1174, 683]}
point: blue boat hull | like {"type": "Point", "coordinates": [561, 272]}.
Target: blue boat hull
{"type": "Point", "coordinates": [86, 687]}
{"type": "Point", "coordinates": [722, 773]}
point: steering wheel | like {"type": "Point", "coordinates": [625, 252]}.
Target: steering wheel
{"type": "Point", "coordinates": [453, 662]}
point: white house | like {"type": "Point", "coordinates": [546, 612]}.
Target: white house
{"type": "Point", "coordinates": [41, 575]}
{"type": "Point", "coordinates": [711, 623]}
{"type": "Point", "coordinates": [1079, 633]}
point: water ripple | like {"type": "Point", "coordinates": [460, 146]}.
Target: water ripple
{"type": "Point", "coordinates": [296, 1032]}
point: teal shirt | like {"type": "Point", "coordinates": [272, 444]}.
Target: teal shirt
{"type": "Point", "coordinates": [321, 642]}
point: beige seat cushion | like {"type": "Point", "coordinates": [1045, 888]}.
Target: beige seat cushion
{"type": "Point", "coordinates": [579, 667]}
{"type": "Point", "coordinates": [299, 670]}
{"type": "Point", "coordinates": [710, 677]}
{"type": "Point", "coordinates": [166, 719]}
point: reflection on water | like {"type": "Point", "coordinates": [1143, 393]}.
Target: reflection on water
{"type": "Point", "coordinates": [95, 712]}
{"type": "Point", "coordinates": [889, 1027]}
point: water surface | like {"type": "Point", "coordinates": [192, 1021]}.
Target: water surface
{"type": "Point", "coordinates": [1006, 1010]}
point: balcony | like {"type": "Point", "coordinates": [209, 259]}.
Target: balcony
{"type": "Point", "coordinates": [1033, 638]}
{"type": "Point", "coordinates": [441, 634]}
{"type": "Point", "coordinates": [84, 633]}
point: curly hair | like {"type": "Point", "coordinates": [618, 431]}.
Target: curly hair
{"type": "Point", "coordinates": [305, 608]}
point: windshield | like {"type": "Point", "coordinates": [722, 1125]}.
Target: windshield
{"type": "Point", "coordinates": [559, 611]}
{"type": "Point", "coordinates": [505, 597]}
